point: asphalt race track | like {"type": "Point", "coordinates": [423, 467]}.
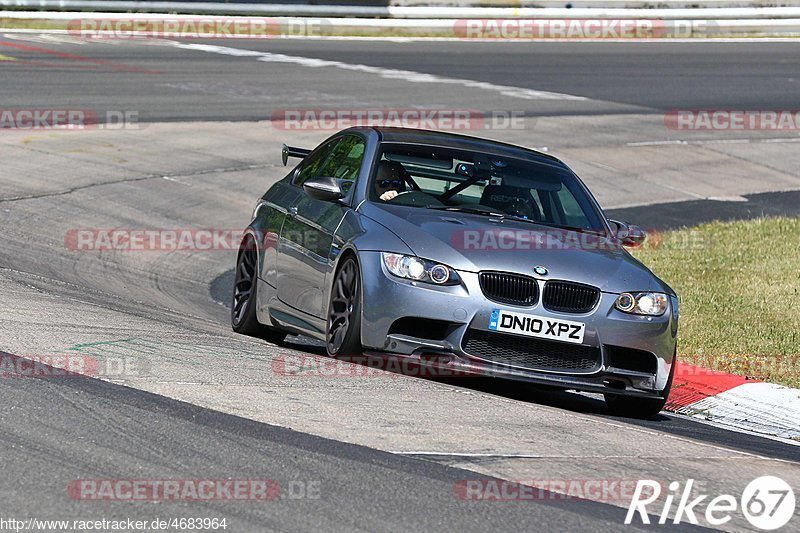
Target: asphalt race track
{"type": "Point", "coordinates": [351, 451]}
{"type": "Point", "coordinates": [618, 77]}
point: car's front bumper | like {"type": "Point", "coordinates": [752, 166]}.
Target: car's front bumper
{"type": "Point", "coordinates": [456, 311]}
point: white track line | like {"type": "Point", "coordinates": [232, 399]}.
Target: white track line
{"type": "Point", "coordinates": [410, 39]}
{"type": "Point", "coordinates": [409, 76]}
{"type": "Point", "coordinates": [715, 141]}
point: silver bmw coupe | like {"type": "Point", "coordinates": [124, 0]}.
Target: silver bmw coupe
{"type": "Point", "coordinates": [460, 253]}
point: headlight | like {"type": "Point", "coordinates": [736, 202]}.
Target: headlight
{"type": "Point", "coordinates": [411, 267]}
{"type": "Point", "coordinates": [642, 303]}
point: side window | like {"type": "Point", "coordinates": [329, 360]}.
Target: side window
{"type": "Point", "coordinates": [312, 165]}
{"type": "Point", "coordinates": [569, 209]}
{"type": "Point", "coordinates": [345, 161]}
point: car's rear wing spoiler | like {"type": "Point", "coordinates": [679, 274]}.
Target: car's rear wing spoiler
{"type": "Point", "coordinates": [292, 151]}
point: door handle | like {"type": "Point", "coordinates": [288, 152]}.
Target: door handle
{"type": "Point", "coordinates": [292, 212]}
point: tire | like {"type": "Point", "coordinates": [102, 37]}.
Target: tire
{"type": "Point", "coordinates": [244, 297]}
{"type": "Point", "coordinates": [640, 407]}
{"type": "Point", "coordinates": [343, 331]}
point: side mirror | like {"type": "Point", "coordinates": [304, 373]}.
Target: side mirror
{"type": "Point", "coordinates": [325, 189]}
{"type": "Point", "coordinates": [629, 235]}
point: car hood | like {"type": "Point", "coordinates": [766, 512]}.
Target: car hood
{"type": "Point", "coordinates": [474, 242]}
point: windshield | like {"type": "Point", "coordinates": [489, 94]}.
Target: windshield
{"type": "Point", "coordinates": [428, 177]}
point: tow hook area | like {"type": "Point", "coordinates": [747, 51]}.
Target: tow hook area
{"type": "Point", "coordinates": [440, 358]}
{"type": "Point", "coordinates": [614, 383]}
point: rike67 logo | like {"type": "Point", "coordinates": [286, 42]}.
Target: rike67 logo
{"type": "Point", "coordinates": [767, 502]}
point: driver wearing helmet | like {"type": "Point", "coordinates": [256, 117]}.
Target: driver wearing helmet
{"type": "Point", "coordinates": [390, 180]}
{"type": "Point", "coordinates": [517, 207]}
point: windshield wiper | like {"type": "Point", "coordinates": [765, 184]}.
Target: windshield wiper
{"type": "Point", "coordinates": [470, 210]}
{"type": "Point", "coordinates": [561, 226]}
{"type": "Point", "coordinates": [506, 216]}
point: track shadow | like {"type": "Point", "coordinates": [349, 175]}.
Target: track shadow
{"type": "Point", "coordinates": [588, 404]}
{"type": "Point", "coordinates": [112, 430]}
{"type": "Point", "coordinates": [693, 212]}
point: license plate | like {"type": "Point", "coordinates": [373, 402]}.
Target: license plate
{"type": "Point", "coordinates": [537, 326]}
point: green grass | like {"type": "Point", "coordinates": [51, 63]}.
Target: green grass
{"type": "Point", "coordinates": [739, 289]}
{"type": "Point", "coordinates": [32, 24]}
